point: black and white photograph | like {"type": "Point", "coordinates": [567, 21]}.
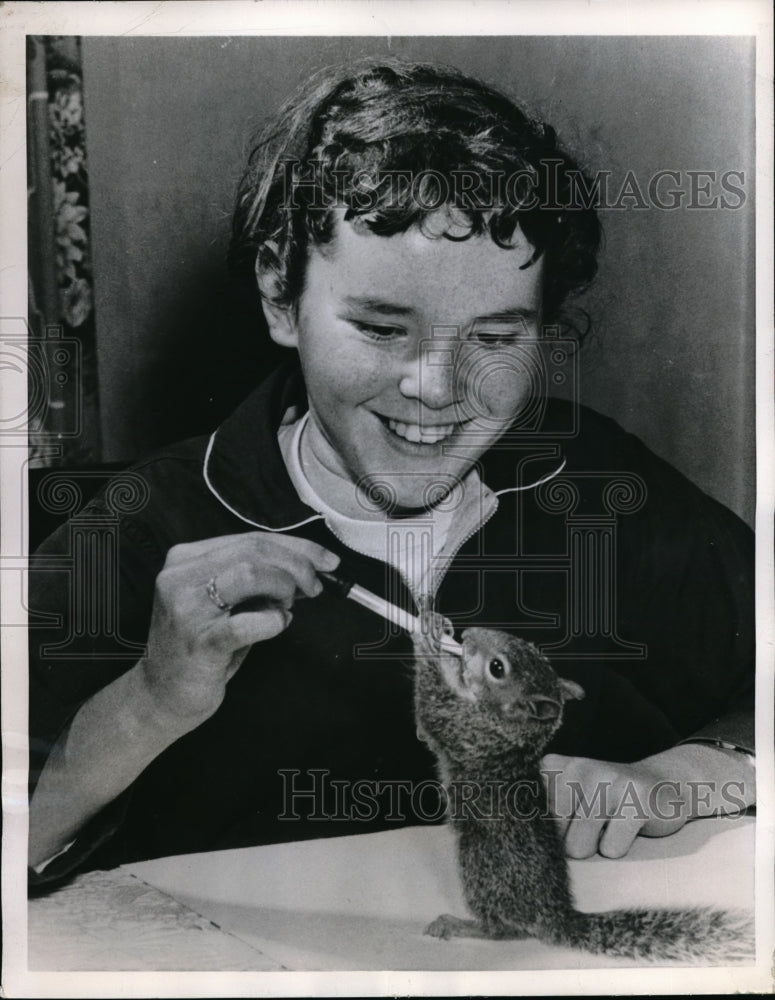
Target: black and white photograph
{"type": "Point", "coordinates": [387, 499]}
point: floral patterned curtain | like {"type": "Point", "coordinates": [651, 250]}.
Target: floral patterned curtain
{"type": "Point", "coordinates": [61, 310]}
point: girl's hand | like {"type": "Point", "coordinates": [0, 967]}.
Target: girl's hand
{"type": "Point", "coordinates": [602, 807]}
{"type": "Point", "coordinates": [195, 647]}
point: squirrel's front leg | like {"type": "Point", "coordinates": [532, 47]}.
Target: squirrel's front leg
{"type": "Point", "coordinates": [436, 672]}
{"type": "Point", "coordinates": [434, 668]}
{"type": "Point", "coordinates": [431, 627]}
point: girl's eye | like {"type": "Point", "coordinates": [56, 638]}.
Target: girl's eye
{"type": "Point", "coordinates": [501, 333]}
{"type": "Point", "coordinates": [497, 668]}
{"type": "Point", "coordinates": [378, 332]}
{"type": "Point", "coordinates": [496, 339]}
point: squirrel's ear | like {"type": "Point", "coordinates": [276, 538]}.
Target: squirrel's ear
{"type": "Point", "coordinates": [570, 689]}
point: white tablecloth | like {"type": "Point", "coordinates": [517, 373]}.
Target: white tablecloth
{"type": "Point", "coordinates": [363, 902]}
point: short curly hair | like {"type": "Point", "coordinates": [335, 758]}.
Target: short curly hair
{"type": "Point", "coordinates": [389, 142]}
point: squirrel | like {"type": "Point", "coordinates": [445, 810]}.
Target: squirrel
{"type": "Point", "coordinates": [487, 716]}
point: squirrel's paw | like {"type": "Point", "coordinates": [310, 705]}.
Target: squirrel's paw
{"type": "Point", "coordinates": [446, 926]}
{"type": "Point", "coordinates": [432, 626]}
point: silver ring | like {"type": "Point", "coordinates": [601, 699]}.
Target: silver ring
{"type": "Point", "coordinates": [215, 597]}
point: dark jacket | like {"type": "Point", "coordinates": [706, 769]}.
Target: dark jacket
{"type": "Point", "coordinates": [637, 584]}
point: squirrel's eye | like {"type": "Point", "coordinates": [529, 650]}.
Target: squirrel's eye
{"type": "Point", "coordinates": [496, 668]}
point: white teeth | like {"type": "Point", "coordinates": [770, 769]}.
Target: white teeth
{"type": "Point", "coordinates": [421, 435]}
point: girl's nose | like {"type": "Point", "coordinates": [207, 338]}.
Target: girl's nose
{"type": "Point", "coordinates": [430, 377]}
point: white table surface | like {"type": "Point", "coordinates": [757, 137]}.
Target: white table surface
{"type": "Point", "coordinates": [112, 920]}
{"type": "Point", "coordinates": [356, 903]}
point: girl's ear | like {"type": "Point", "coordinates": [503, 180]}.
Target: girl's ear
{"type": "Point", "coordinates": [281, 320]}
{"type": "Point", "coordinates": [570, 689]}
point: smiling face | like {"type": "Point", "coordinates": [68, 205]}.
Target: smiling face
{"type": "Point", "coordinates": [417, 353]}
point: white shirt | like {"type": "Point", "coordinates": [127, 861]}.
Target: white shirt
{"type": "Point", "coordinates": [419, 547]}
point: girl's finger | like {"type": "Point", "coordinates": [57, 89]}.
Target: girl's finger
{"type": "Point", "coordinates": [252, 544]}
{"type": "Point", "coordinates": [234, 632]}
{"type": "Point", "coordinates": [583, 836]}
{"type": "Point", "coordinates": [619, 835]}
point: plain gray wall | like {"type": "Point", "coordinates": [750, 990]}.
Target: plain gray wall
{"type": "Point", "coordinates": [672, 355]}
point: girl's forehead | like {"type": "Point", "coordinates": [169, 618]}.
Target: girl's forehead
{"type": "Point", "coordinates": [428, 267]}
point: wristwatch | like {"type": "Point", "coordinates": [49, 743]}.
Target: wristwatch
{"type": "Point", "coordinates": [724, 745]}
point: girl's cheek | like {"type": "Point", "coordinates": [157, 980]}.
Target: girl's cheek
{"type": "Point", "coordinates": [517, 379]}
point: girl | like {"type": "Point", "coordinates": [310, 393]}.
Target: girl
{"type": "Point", "coordinates": [415, 239]}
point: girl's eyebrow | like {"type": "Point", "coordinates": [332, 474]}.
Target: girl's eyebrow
{"type": "Point", "coordinates": [504, 315]}
{"type": "Point", "coordinates": [385, 308]}
{"type": "Point", "coordinates": [380, 306]}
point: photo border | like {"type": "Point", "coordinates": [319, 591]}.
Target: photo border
{"type": "Point", "coordinates": [363, 17]}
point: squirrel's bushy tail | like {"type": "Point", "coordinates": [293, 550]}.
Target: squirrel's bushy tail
{"type": "Point", "coordinates": [712, 935]}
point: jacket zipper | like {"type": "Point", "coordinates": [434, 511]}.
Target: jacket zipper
{"type": "Point", "coordinates": [439, 579]}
